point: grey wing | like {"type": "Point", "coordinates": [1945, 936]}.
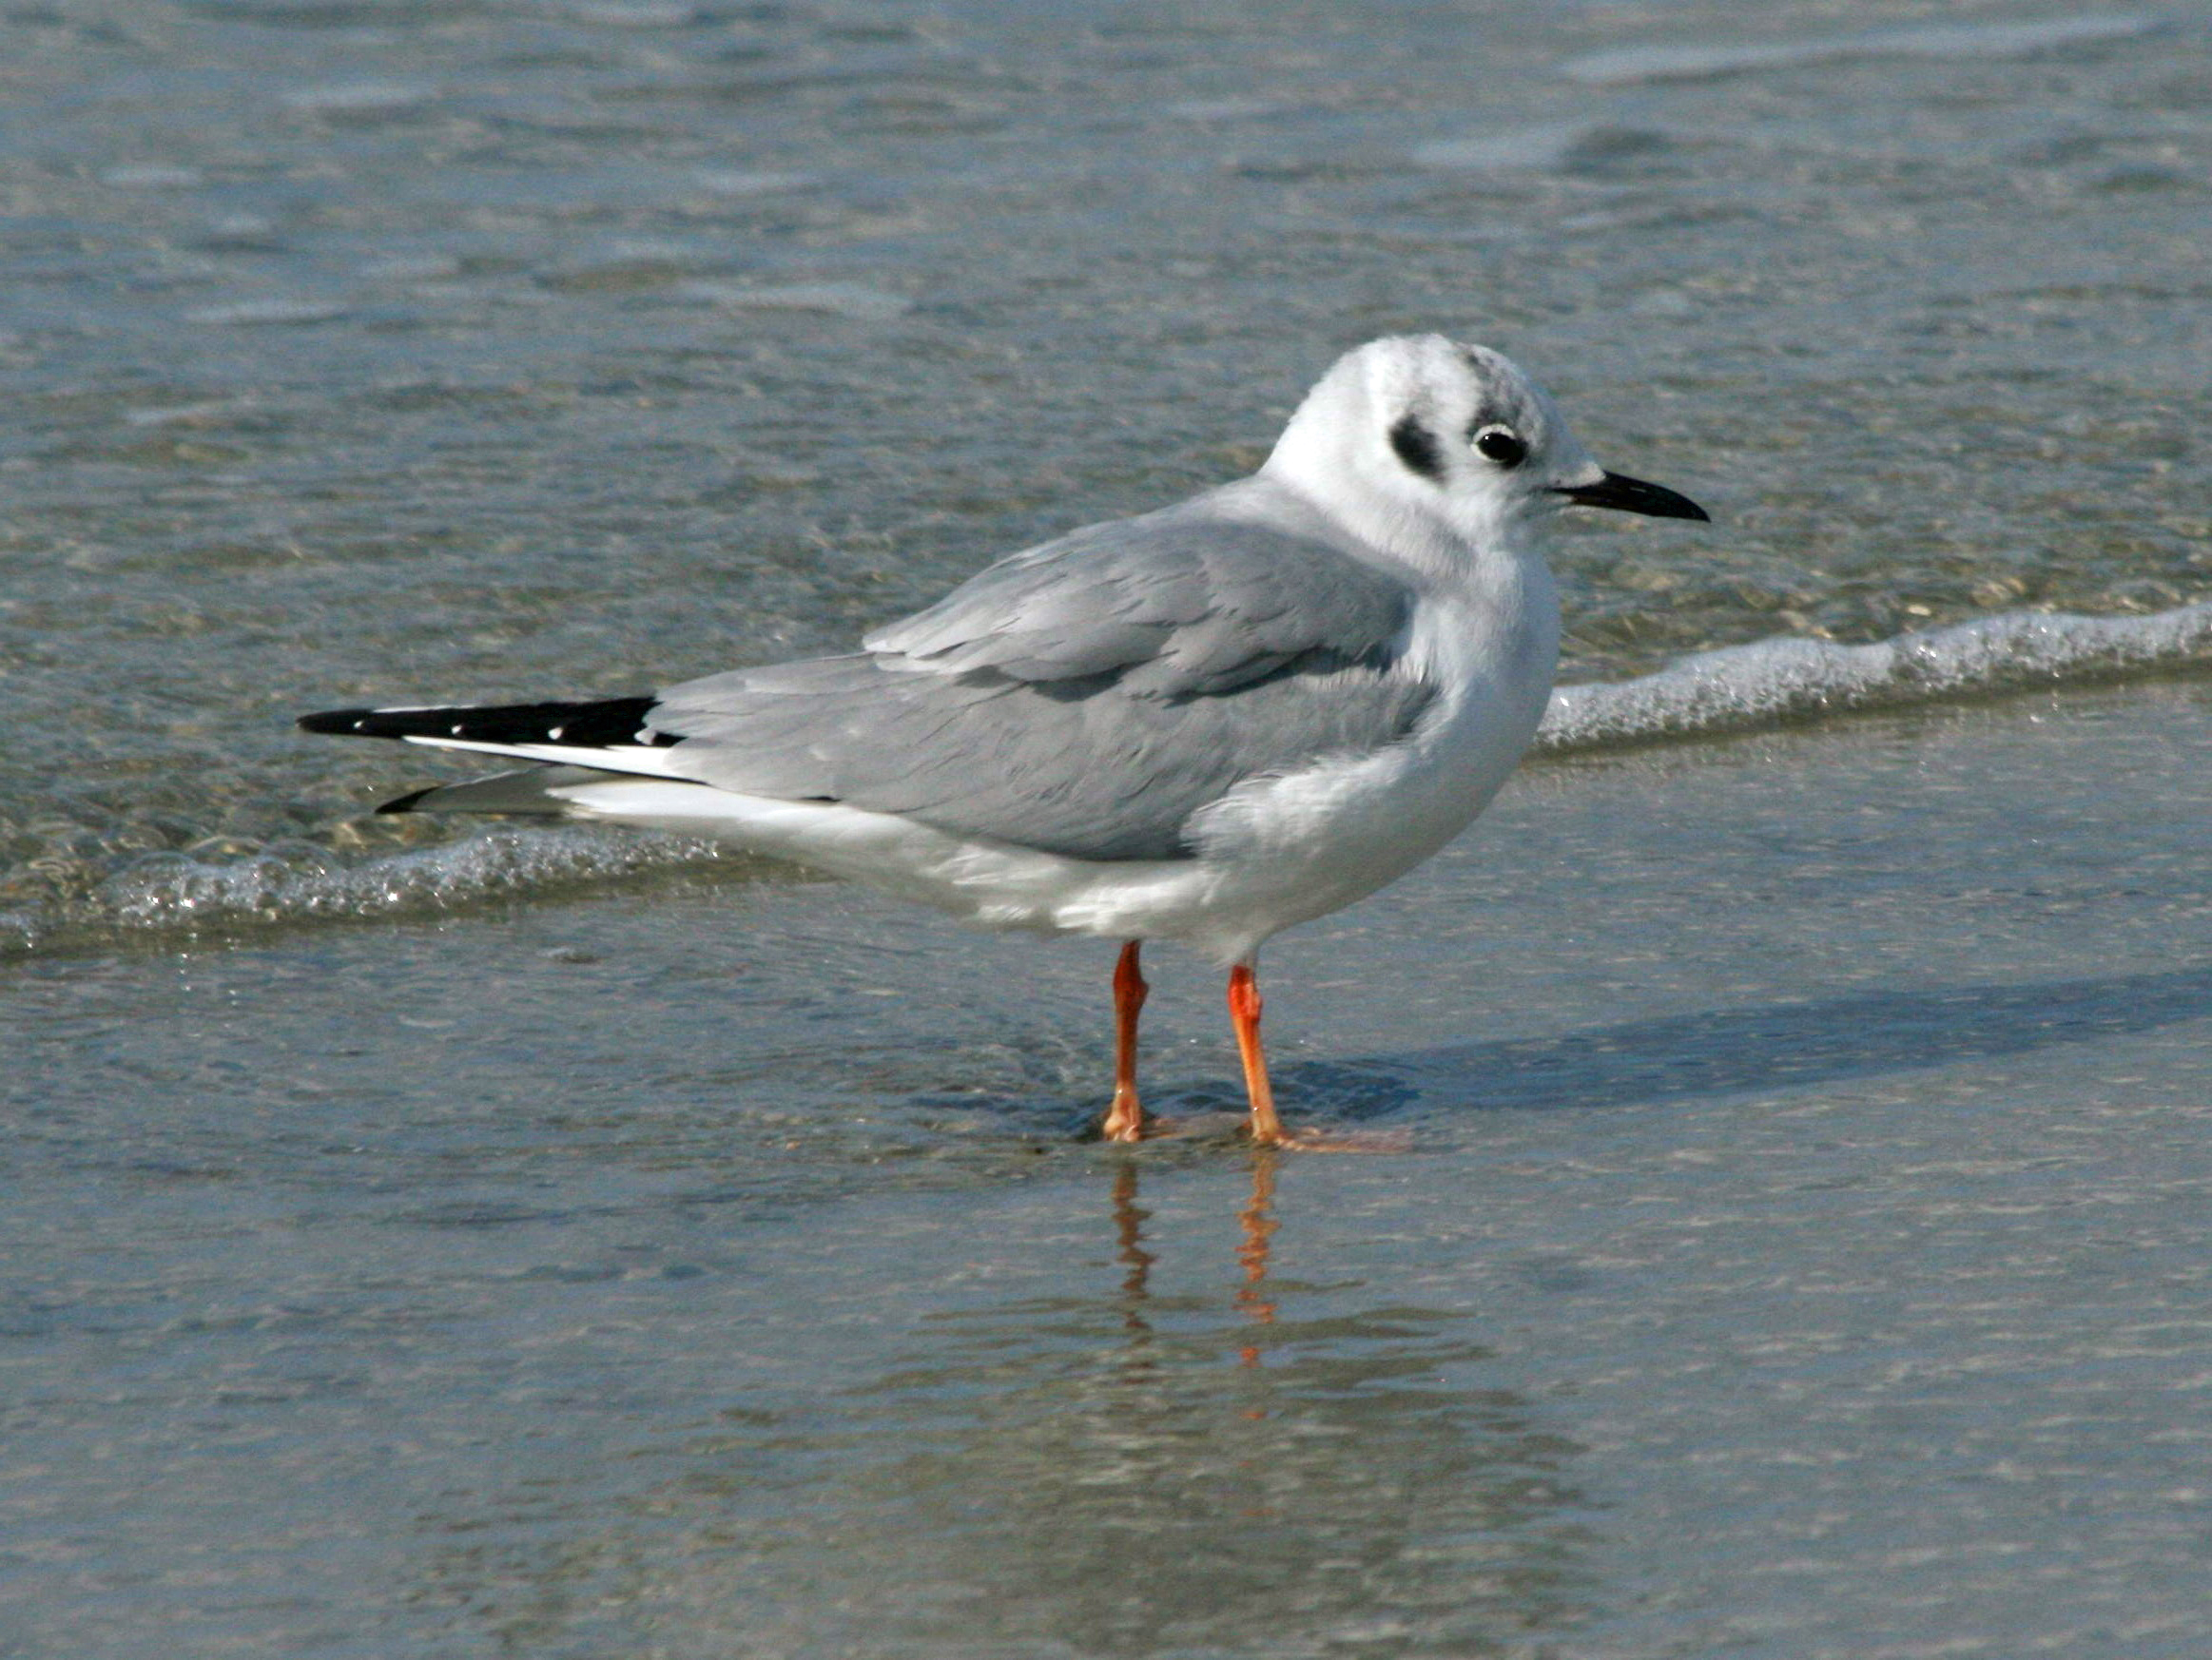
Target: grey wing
{"type": "Point", "coordinates": [1086, 698]}
{"type": "Point", "coordinates": [1203, 597]}
{"type": "Point", "coordinates": [1084, 769]}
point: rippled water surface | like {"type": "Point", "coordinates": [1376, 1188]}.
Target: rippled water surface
{"type": "Point", "coordinates": [369, 351]}
{"type": "Point", "coordinates": [473, 1239]}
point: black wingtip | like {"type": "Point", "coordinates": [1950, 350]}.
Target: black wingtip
{"type": "Point", "coordinates": [342, 722]}
{"type": "Point", "coordinates": [600, 723]}
{"type": "Point", "coordinates": [405, 803]}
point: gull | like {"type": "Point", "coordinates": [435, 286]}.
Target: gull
{"type": "Point", "coordinates": [1204, 724]}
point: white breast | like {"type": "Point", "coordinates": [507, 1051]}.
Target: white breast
{"type": "Point", "coordinates": [1291, 848]}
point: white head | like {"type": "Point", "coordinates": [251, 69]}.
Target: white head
{"type": "Point", "coordinates": [1414, 435]}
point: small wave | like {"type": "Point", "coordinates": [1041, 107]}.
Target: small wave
{"type": "Point", "coordinates": [271, 313]}
{"type": "Point", "coordinates": [839, 299]}
{"type": "Point", "coordinates": [739, 181]}
{"type": "Point", "coordinates": [292, 881]}
{"type": "Point", "coordinates": [632, 13]}
{"type": "Point", "coordinates": [152, 175]}
{"type": "Point", "coordinates": [1770, 682]}
{"type": "Point", "coordinates": [1549, 148]}
{"type": "Point", "coordinates": [1631, 64]}
{"type": "Point", "coordinates": [357, 98]}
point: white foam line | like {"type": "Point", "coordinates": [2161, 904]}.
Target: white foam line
{"type": "Point", "coordinates": [291, 881]}
{"type": "Point", "coordinates": [1771, 681]}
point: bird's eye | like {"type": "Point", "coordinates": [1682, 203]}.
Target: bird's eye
{"type": "Point", "coordinates": [1500, 445]}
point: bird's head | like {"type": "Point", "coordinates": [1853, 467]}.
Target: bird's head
{"type": "Point", "coordinates": [1409, 431]}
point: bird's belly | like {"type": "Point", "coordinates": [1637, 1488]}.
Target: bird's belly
{"type": "Point", "coordinates": [1285, 850]}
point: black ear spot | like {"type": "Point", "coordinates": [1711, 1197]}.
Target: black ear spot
{"type": "Point", "coordinates": [1416, 447]}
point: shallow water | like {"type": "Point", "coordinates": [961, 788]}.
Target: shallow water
{"type": "Point", "coordinates": [1799, 1254]}
{"type": "Point", "coordinates": [436, 1241]}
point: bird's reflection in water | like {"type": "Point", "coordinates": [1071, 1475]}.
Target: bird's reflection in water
{"type": "Point", "coordinates": [1258, 1222]}
{"type": "Point", "coordinates": [1230, 1467]}
{"type": "Point", "coordinates": [1129, 1220]}
{"type": "Point", "coordinates": [1191, 1453]}
{"type": "Point", "coordinates": [1256, 1219]}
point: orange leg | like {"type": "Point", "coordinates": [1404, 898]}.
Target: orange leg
{"type": "Point", "coordinates": [1125, 1118]}
{"type": "Point", "coordinates": [1243, 1011]}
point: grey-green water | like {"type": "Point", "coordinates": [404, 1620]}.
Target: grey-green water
{"type": "Point", "coordinates": [453, 1243]}
{"type": "Point", "coordinates": [1801, 1253]}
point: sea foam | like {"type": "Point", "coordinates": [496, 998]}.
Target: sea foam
{"type": "Point", "coordinates": [293, 881]}
{"type": "Point", "coordinates": [1769, 682]}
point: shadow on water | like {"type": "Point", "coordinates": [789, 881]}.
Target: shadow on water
{"type": "Point", "coordinates": [1263, 1466]}
{"type": "Point", "coordinates": [1777, 1047]}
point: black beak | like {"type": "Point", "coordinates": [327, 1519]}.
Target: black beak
{"type": "Point", "coordinates": [1632, 495]}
